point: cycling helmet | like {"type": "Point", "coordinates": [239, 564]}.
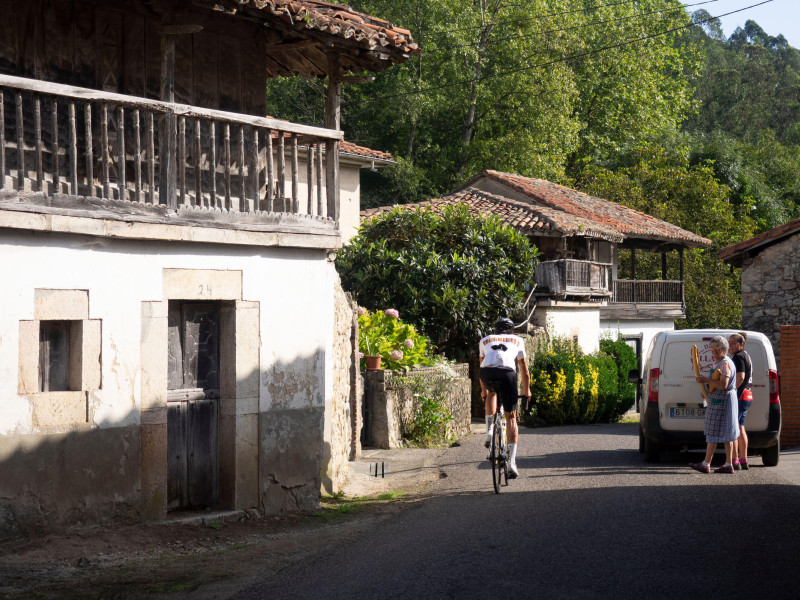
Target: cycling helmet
{"type": "Point", "coordinates": [503, 324]}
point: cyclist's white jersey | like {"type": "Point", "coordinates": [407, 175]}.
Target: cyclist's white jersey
{"type": "Point", "coordinates": [501, 350]}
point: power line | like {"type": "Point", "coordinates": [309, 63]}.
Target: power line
{"type": "Point", "coordinates": [532, 18]}
{"type": "Point", "coordinates": [584, 25]}
{"type": "Point", "coordinates": [572, 56]}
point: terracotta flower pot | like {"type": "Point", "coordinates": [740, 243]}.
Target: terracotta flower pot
{"type": "Point", "coordinates": [373, 363]}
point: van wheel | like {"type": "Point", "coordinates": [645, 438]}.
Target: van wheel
{"type": "Point", "coordinates": [641, 441]}
{"type": "Point", "coordinates": [771, 455]}
{"type": "Point", "coordinates": [652, 451]}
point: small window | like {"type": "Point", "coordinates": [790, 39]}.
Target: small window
{"type": "Point", "coordinates": [54, 356]}
{"type": "Point", "coordinates": [60, 356]}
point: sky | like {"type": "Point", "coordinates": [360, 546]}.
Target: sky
{"type": "Point", "coordinates": [777, 16]}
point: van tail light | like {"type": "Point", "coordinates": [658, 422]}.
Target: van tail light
{"type": "Point", "coordinates": [652, 393]}
{"type": "Point", "coordinates": [773, 387]}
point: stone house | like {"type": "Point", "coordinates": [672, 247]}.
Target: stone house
{"type": "Point", "coordinates": [173, 333]}
{"type": "Point", "coordinates": [770, 280]}
{"type": "Point", "coordinates": [578, 293]}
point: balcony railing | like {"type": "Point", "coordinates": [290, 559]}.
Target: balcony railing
{"type": "Point", "coordinates": [59, 139]}
{"type": "Point", "coordinates": [565, 277]}
{"type": "Point", "coordinates": [642, 291]}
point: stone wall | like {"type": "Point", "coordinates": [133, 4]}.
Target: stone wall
{"type": "Point", "coordinates": [345, 426]}
{"type": "Point", "coordinates": [770, 294]}
{"type": "Point", "coordinates": [392, 404]}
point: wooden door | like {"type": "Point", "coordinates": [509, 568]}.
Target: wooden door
{"type": "Point", "coordinates": [193, 405]}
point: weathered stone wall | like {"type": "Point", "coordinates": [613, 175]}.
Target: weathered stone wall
{"type": "Point", "coordinates": [60, 479]}
{"type": "Point", "coordinates": [392, 403]}
{"type": "Point", "coordinates": [770, 290]}
{"type": "Point", "coordinates": [345, 442]}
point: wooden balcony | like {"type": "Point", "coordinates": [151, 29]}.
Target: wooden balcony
{"type": "Point", "coordinates": [163, 158]}
{"type": "Point", "coordinates": [645, 299]}
{"type": "Point", "coordinates": [576, 278]}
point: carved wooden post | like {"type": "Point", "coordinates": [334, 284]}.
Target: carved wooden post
{"type": "Point", "coordinates": [319, 178]}
{"type": "Point", "coordinates": [122, 180]}
{"type": "Point", "coordinates": [167, 124]}
{"type": "Point", "coordinates": [54, 146]}
{"type": "Point", "coordinates": [37, 129]}
{"type": "Point", "coordinates": [73, 151]}
{"type": "Point", "coordinates": [137, 157]}
{"type": "Point", "coordinates": [2, 143]}
{"type": "Point", "coordinates": [270, 172]}
{"type": "Point", "coordinates": [295, 180]}
{"type": "Point", "coordinates": [310, 177]}
{"type": "Point", "coordinates": [89, 151]}
{"type": "Point", "coordinates": [633, 272]}
{"type": "Point", "coordinates": [333, 121]}
{"type": "Point", "coordinates": [20, 145]}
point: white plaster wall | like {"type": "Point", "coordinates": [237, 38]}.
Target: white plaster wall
{"type": "Point", "coordinates": [294, 288]}
{"type": "Point", "coordinates": [570, 320]}
{"type": "Point", "coordinates": [349, 201]}
{"type": "Point", "coordinates": [646, 328]}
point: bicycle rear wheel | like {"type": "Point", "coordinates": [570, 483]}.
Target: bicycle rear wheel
{"type": "Point", "coordinates": [496, 456]}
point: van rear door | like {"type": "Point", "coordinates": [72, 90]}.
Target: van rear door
{"type": "Point", "coordinates": [680, 401]}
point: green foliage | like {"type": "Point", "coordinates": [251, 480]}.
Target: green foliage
{"type": "Point", "coordinates": [449, 275]}
{"type": "Point", "coordinates": [399, 345]}
{"type": "Point", "coordinates": [664, 184]}
{"type": "Point", "coordinates": [430, 425]}
{"type": "Point", "coordinates": [624, 359]}
{"type": "Point", "coordinates": [569, 387]}
{"type": "Point", "coordinates": [499, 86]}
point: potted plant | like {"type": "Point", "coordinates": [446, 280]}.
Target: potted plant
{"type": "Point", "coordinates": [386, 340]}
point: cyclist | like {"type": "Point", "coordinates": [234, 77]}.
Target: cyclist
{"type": "Point", "coordinates": [500, 353]}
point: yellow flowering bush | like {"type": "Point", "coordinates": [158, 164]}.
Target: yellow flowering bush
{"type": "Point", "coordinates": [568, 386]}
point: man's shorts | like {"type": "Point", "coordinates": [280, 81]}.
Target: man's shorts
{"type": "Point", "coordinates": [503, 381]}
{"type": "Point", "coordinates": [744, 405]}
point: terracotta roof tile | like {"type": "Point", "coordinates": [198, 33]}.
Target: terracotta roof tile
{"type": "Point", "coordinates": [601, 213]}
{"type": "Point", "coordinates": [351, 148]}
{"type": "Point", "coordinates": [736, 253]}
{"type": "Point", "coordinates": [339, 20]}
{"type": "Point", "coordinates": [521, 215]}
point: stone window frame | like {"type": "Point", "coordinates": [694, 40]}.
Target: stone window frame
{"type": "Point", "coordinates": [63, 409]}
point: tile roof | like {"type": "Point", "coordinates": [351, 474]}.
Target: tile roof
{"type": "Point", "coordinates": [351, 148]}
{"type": "Point", "coordinates": [378, 44]}
{"type": "Point", "coordinates": [532, 220]}
{"type": "Point", "coordinates": [631, 224]}
{"type": "Point", "coordinates": [736, 253]}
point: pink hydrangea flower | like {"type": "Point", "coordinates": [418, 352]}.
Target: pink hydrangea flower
{"type": "Point", "coordinates": [409, 343]}
{"type": "Point", "coordinates": [392, 313]}
{"type": "Point", "coordinates": [360, 355]}
{"type": "Point", "coordinates": [396, 355]}
{"type": "Point", "coordinates": [361, 311]}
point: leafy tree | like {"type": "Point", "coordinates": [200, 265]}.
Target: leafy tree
{"type": "Point", "coordinates": [526, 87]}
{"type": "Point", "coordinates": [666, 186]}
{"type": "Point", "coordinates": [450, 275]}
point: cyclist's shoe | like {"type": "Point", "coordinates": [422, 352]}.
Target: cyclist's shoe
{"type": "Point", "coordinates": [488, 441]}
{"type": "Point", "coordinates": [512, 471]}
{"type": "Point", "coordinates": [489, 454]}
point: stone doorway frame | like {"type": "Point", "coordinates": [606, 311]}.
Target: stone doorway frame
{"type": "Point", "coordinates": [240, 344]}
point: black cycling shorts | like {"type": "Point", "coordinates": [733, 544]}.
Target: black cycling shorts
{"type": "Point", "coordinates": [503, 381]}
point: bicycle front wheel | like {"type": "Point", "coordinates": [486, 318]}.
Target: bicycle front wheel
{"type": "Point", "coordinates": [496, 456]}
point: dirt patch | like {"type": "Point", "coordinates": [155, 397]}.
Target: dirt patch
{"type": "Point", "coordinates": [212, 555]}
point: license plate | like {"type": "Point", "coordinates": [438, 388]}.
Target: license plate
{"type": "Point", "coordinates": [683, 412]}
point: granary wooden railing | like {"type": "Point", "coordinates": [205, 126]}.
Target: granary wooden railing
{"type": "Point", "coordinates": [573, 277]}
{"type": "Point", "coordinates": [647, 291]}
{"type": "Point", "coordinates": [59, 139]}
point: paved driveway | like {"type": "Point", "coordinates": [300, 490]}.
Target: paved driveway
{"type": "Point", "coordinates": [586, 519]}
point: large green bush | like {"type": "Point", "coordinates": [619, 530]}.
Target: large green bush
{"type": "Point", "coordinates": [570, 387]}
{"type": "Point", "coordinates": [450, 275]}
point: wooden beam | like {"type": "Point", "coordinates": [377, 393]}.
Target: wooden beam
{"type": "Point", "coordinates": [333, 121]}
{"type": "Point", "coordinates": [167, 125]}
{"type": "Point", "coordinates": [179, 29]}
{"type": "Point", "coordinates": [290, 47]}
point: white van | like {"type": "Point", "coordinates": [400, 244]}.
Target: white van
{"type": "Point", "coordinates": [671, 407]}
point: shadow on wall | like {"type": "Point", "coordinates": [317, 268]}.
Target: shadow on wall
{"type": "Point", "coordinates": [270, 448]}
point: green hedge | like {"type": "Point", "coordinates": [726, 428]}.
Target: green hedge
{"type": "Point", "coordinates": [569, 387]}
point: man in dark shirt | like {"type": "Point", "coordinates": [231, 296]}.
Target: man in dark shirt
{"type": "Point", "coordinates": [744, 380]}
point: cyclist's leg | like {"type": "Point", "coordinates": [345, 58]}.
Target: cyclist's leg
{"type": "Point", "coordinates": [489, 403]}
{"type": "Point", "coordinates": [508, 393]}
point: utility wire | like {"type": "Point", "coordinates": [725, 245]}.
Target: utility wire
{"type": "Point", "coordinates": [532, 18]}
{"type": "Point", "coordinates": [617, 20]}
{"type": "Point", "coordinates": [571, 56]}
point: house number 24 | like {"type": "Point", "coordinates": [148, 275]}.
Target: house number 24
{"type": "Point", "coordinates": [203, 289]}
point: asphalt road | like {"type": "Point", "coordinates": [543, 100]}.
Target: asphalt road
{"type": "Point", "coordinates": [586, 519]}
